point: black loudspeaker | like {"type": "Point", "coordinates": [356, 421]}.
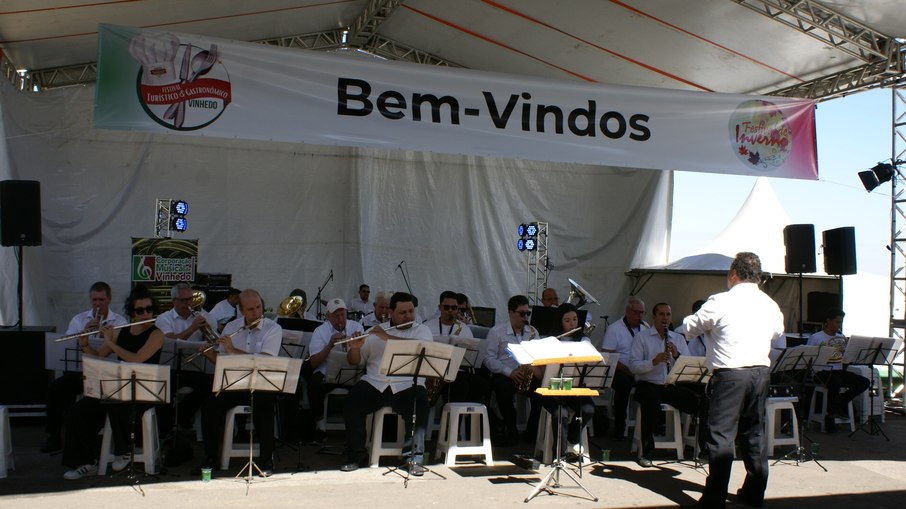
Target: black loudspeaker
{"type": "Point", "coordinates": [20, 213]}
{"type": "Point", "coordinates": [818, 305]}
{"type": "Point", "coordinates": [799, 240]}
{"type": "Point", "coordinates": [840, 251]}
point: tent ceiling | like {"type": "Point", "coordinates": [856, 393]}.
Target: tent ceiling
{"type": "Point", "coordinates": [741, 46]}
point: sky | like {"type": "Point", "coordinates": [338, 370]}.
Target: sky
{"type": "Point", "coordinates": [853, 134]}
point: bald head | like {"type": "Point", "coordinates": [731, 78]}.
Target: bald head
{"type": "Point", "coordinates": [549, 298]}
{"type": "Point", "coordinates": [250, 305]}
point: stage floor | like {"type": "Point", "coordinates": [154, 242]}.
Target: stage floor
{"type": "Point", "coordinates": [864, 470]}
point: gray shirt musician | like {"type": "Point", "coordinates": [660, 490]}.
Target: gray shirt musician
{"type": "Point", "coordinates": [739, 326]}
{"type": "Point", "coordinates": [375, 391]}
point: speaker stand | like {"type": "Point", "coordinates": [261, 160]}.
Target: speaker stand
{"type": "Point", "coordinates": [800, 303]}
{"type": "Point", "coordinates": [19, 287]}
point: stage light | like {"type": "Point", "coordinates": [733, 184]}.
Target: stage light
{"type": "Point", "coordinates": [879, 174]}
{"type": "Point", "coordinates": [179, 207]}
{"type": "Point", "coordinates": [884, 172]}
{"type": "Point", "coordinates": [531, 229]}
{"type": "Point", "coordinates": [520, 244]}
{"type": "Point", "coordinates": [530, 245]}
{"type": "Point", "coordinates": [520, 230]}
{"type": "Point", "coordinates": [178, 224]}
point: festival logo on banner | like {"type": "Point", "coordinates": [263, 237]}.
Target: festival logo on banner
{"type": "Point", "coordinates": [180, 86]}
{"type": "Point", "coordinates": [760, 135]}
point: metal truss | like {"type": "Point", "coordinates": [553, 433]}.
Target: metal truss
{"type": "Point", "coordinates": [865, 77]}
{"type": "Point", "coordinates": [537, 268]}
{"type": "Point", "coordinates": [826, 25]}
{"type": "Point", "coordinates": [162, 219]}
{"type": "Point", "coordinates": [898, 217]}
{"type": "Point", "coordinates": [364, 28]}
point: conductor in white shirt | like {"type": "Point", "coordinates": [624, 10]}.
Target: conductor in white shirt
{"type": "Point", "coordinates": [739, 326]}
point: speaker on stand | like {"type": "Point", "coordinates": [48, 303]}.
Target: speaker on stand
{"type": "Point", "coordinates": [799, 240]}
{"type": "Point", "coordinates": [20, 222]}
{"type": "Point", "coordinates": [840, 253]}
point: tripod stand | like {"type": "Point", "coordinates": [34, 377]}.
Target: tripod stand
{"type": "Point", "coordinates": [175, 450]}
{"type": "Point", "coordinates": [795, 365]}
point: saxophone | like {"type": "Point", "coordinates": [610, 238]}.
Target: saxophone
{"type": "Point", "coordinates": [527, 370]}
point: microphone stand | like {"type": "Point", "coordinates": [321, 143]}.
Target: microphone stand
{"type": "Point", "coordinates": [318, 297]}
{"type": "Point", "coordinates": [405, 277]}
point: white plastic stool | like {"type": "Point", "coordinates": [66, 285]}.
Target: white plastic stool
{"type": "Point", "coordinates": [377, 445]}
{"type": "Point", "coordinates": [6, 444]}
{"type": "Point", "coordinates": [672, 440]}
{"type": "Point", "coordinates": [773, 410]}
{"type": "Point", "coordinates": [450, 441]}
{"type": "Point", "coordinates": [544, 444]}
{"type": "Point", "coordinates": [149, 453]}
{"type": "Point", "coordinates": [229, 449]}
{"type": "Point", "coordinates": [819, 410]}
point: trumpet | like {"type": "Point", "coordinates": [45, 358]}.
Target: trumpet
{"type": "Point", "coordinates": [88, 333]}
{"type": "Point", "coordinates": [214, 343]}
{"type": "Point", "coordinates": [367, 332]}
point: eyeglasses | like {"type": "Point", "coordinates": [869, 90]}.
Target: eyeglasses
{"type": "Point", "coordinates": [450, 308]}
{"type": "Point", "coordinates": [146, 309]}
{"type": "Point", "coordinates": [525, 314]}
{"type": "Point", "coordinates": [182, 299]}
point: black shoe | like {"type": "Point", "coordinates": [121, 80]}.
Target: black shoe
{"type": "Point", "coordinates": [417, 469]}
{"type": "Point", "coordinates": [52, 445]}
{"type": "Point", "coordinates": [830, 424]}
{"type": "Point", "coordinates": [267, 470]}
{"type": "Point", "coordinates": [318, 437]}
{"type": "Point", "coordinates": [353, 464]}
{"type": "Point", "coordinates": [644, 462]}
{"type": "Point", "coordinates": [742, 498]}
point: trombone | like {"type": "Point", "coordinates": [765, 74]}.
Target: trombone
{"type": "Point", "coordinates": [88, 333]}
{"type": "Point", "coordinates": [228, 336]}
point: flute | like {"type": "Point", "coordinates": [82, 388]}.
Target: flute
{"type": "Point", "coordinates": [88, 333]}
{"type": "Point", "coordinates": [366, 333]}
{"type": "Point", "coordinates": [230, 335]}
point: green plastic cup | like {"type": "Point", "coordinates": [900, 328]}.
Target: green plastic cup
{"type": "Point", "coordinates": [205, 474]}
{"type": "Point", "coordinates": [566, 384]}
{"type": "Point", "coordinates": [555, 384]}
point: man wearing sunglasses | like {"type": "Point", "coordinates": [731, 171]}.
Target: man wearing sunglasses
{"type": "Point", "coordinates": [506, 374]}
{"type": "Point", "coordinates": [468, 386]}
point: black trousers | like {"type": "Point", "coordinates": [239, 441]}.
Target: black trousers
{"type": "Point", "coordinates": [213, 420]}
{"type": "Point", "coordinates": [835, 380]}
{"type": "Point", "coordinates": [86, 419]}
{"type": "Point", "coordinates": [737, 407]}
{"type": "Point", "coordinates": [469, 387]}
{"type": "Point", "coordinates": [504, 390]}
{"type": "Point", "coordinates": [583, 409]}
{"type": "Point", "coordinates": [61, 396]}
{"type": "Point", "coordinates": [650, 397]}
{"type": "Point", "coordinates": [364, 399]}
{"type": "Point", "coordinates": [622, 385]}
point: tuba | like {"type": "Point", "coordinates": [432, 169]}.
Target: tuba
{"type": "Point", "coordinates": [292, 306]}
{"type": "Point", "coordinates": [582, 298]}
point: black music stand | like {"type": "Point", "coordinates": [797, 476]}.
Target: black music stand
{"type": "Point", "coordinates": [864, 351]}
{"type": "Point", "coordinates": [340, 375]}
{"type": "Point", "coordinates": [173, 357]}
{"type": "Point", "coordinates": [424, 359]}
{"type": "Point", "coordinates": [797, 364]}
{"type": "Point", "coordinates": [690, 369]}
{"type": "Point", "coordinates": [129, 383]}
{"type": "Point", "coordinates": [596, 376]}
{"type": "Point", "coordinates": [255, 373]}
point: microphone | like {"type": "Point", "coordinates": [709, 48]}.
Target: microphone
{"type": "Point", "coordinates": [330, 277]}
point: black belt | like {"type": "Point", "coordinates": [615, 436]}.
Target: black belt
{"type": "Point", "coordinates": [721, 370]}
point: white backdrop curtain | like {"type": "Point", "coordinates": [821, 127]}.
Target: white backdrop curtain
{"type": "Point", "coordinates": [279, 216]}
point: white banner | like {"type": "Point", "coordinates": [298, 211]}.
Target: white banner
{"type": "Point", "coordinates": [168, 82]}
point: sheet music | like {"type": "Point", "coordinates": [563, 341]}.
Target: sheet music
{"type": "Point", "coordinates": [110, 380]}
{"type": "Point", "coordinates": [340, 371]}
{"type": "Point", "coordinates": [688, 369]}
{"type": "Point", "coordinates": [863, 350]}
{"type": "Point", "coordinates": [551, 350]}
{"type": "Point", "coordinates": [440, 359]}
{"type": "Point", "coordinates": [259, 372]}
{"type": "Point", "coordinates": [474, 352]}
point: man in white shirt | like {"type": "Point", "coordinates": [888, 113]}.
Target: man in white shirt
{"type": "Point", "coordinates": [360, 304]}
{"type": "Point", "coordinates": [62, 393]}
{"type": "Point", "coordinates": [739, 326]}
{"type": "Point", "coordinates": [835, 376]}
{"type": "Point", "coordinates": [250, 334]}
{"type": "Point", "coordinates": [654, 350]}
{"type": "Point", "coordinates": [226, 310]}
{"type": "Point", "coordinates": [375, 391]}
{"type": "Point", "coordinates": [506, 374]}
{"type": "Point", "coordinates": [381, 313]}
{"type": "Point", "coordinates": [618, 338]}
{"type": "Point", "coordinates": [323, 341]}
{"type": "Point", "coordinates": [468, 386]}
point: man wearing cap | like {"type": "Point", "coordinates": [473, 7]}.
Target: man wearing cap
{"type": "Point", "coordinates": [323, 340]}
{"type": "Point", "coordinates": [226, 310]}
{"type": "Point", "coordinates": [375, 391]}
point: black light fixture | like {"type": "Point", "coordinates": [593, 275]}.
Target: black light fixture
{"type": "Point", "coordinates": [520, 244]}
{"type": "Point", "coordinates": [879, 174]}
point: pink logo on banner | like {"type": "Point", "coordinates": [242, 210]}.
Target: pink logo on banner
{"type": "Point", "coordinates": [181, 86]}
{"type": "Point", "coordinates": [760, 135]}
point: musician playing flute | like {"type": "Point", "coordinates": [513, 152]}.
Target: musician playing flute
{"type": "Point", "coordinates": [507, 375]}
{"type": "Point", "coordinates": [135, 343]}
{"type": "Point", "coordinates": [375, 391]}
{"type": "Point", "coordinates": [252, 333]}
{"type": "Point", "coordinates": [62, 393]}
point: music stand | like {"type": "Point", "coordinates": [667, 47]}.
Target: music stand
{"type": "Point", "coordinates": [598, 376]}
{"type": "Point", "coordinates": [424, 359]}
{"type": "Point", "coordinates": [865, 351]}
{"type": "Point", "coordinates": [129, 383]}
{"type": "Point", "coordinates": [172, 355]}
{"type": "Point", "coordinates": [690, 369]}
{"type": "Point", "coordinates": [340, 374]}
{"type": "Point", "coordinates": [796, 364]}
{"type": "Point", "coordinates": [262, 373]}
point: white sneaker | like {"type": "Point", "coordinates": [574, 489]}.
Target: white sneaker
{"type": "Point", "coordinates": [82, 471]}
{"type": "Point", "coordinates": [119, 463]}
